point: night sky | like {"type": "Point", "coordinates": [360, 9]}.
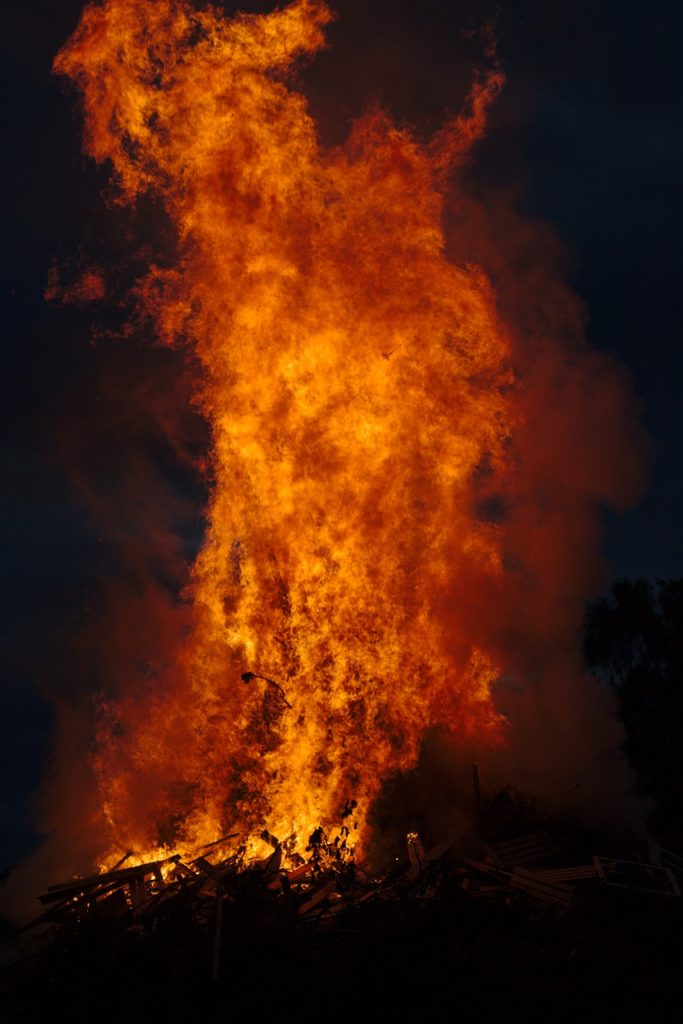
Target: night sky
{"type": "Point", "coordinates": [585, 136]}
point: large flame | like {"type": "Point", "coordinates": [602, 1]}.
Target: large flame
{"type": "Point", "coordinates": [364, 416]}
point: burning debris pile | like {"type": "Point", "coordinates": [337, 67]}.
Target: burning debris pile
{"type": "Point", "coordinates": [518, 891]}
{"type": "Point", "coordinates": [408, 445]}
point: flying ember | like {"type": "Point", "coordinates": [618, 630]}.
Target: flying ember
{"type": "Point", "coordinates": [370, 424]}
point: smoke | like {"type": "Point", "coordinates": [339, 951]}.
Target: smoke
{"type": "Point", "coordinates": [580, 447]}
{"type": "Point", "coordinates": [129, 446]}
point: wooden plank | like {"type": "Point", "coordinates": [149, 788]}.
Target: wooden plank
{"type": "Point", "coordinates": [76, 891]}
{"type": "Point", "coordinates": [209, 869]}
{"type": "Point", "coordinates": [301, 873]}
{"type": "Point", "coordinates": [671, 861]}
{"type": "Point", "coordinates": [575, 874]}
{"type": "Point", "coordinates": [81, 885]}
{"type": "Point", "coordinates": [97, 895]}
{"type": "Point", "coordinates": [271, 867]}
{"type": "Point", "coordinates": [441, 848]}
{"type": "Point", "coordinates": [416, 856]}
{"type": "Point", "coordinates": [318, 896]}
{"type": "Point", "coordinates": [672, 843]}
{"type": "Point", "coordinates": [112, 904]}
{"type": "Point", "coordinates": [624, 874]}
{"type": "Point", "coordinates": [541, 882]}
{"type": "Point", "coordinates": [138, 890]}
{"type": "Point", "coordinates": [541, 889]}
{"type": "Point", "coordinates": [71, 881]}
{"type": "Point", "coordinates": [184, 871]}
{"type": "Point", "coordinates": [523, 850]}
{"type": "Point", "coordinates": [62, 891]}
{"type": "Point", "coordinates": [217, 842]}
{"type": "Point", "coordinates": [488, 869]}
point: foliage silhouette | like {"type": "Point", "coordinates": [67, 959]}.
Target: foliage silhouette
{"type": "Point", "coordinates": [633, 640]}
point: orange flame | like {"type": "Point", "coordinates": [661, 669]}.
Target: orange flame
{"type": "Point", "coordinates": [363, 411]}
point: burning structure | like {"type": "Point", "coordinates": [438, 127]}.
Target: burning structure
{"type": "Point", "coordinates": [410, 442]}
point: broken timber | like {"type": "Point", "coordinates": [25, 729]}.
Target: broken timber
{"type": "Point", "coordinates": [528, 849]}
{"type": "Point", "coordinates": [543, 889]}
{"type": "Point", "coordinates": [624, 874]}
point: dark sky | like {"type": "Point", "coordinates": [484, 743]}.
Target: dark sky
{"type": "Point", "coordinates": [586, 132]}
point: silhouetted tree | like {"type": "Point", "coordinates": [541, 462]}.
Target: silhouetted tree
{"type": "Point", "coordinates": [633, 640]}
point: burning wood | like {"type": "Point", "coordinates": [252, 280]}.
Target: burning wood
{"type": "Point", "coordinates": [201, 906]}
{"type": "Point", "coordinates": [381, 517]}
{"type": "Point", "coordinates": [330, 882]}
{"type": "Point", "coordinates": [416, 855]}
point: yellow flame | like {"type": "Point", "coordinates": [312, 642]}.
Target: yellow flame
{"type": "Point", "coordinates": [356, 383]}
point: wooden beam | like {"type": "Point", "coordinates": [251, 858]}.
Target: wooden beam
{"type": "Point", "coordinates": [556, 893]}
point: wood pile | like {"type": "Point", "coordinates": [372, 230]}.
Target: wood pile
{"type": "Point", "coordinates": [497, 905]}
